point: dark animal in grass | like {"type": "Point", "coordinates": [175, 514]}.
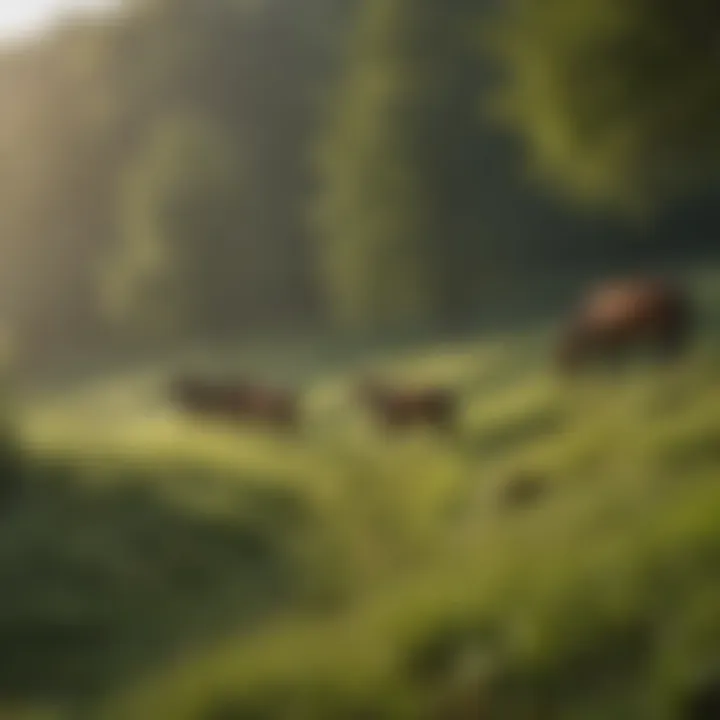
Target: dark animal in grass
{"type": "Point", "coordinates": [396, 408]}
{"type": "Point", "coordinates": [236, 401]}
{"type": "Point", "coordinates": [463, 703]}
{"type": "Point", "coordinates": [618, 316]}
{"type": "Point", "coordinates": [521, 490]}
{"type": "Point", "coordinates": [199, 396]}
{"type": "Point", "coordinates": [274, 406]}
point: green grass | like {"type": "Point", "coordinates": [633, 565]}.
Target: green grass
{"type": "Point", "coordinates": [156, 569]}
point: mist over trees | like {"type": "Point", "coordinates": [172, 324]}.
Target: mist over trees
{"type": "Point", "coordinates": [220, 167]}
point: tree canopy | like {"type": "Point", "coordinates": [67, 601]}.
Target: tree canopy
{"type": "Point", "coordinates": [617, 100]}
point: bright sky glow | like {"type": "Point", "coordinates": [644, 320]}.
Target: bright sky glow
{"type": "Point", "coordinates": [20, 18]}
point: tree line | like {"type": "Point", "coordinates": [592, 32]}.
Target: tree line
{"type": "Point", "coordinates": [216, 167]}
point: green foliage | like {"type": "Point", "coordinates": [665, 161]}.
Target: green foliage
{"type": "Point", "coordinates": [382, 577]}
{"type": "Point", "coordinates": [418, 213]}
{"type": "Point", "coordinates": [616, 101]}
{"type": "Point", "coordinates": [396, 166]}
{"type": "Point", "coordinates": [599, 600]}
{"type": "Point", "coordinates": [252, 71]}
{"type": "Point", "coordinates": [181, 202]}
{"type": "Point", "coordinates": [374, 261]}
{"type": "Point", "coordinates": [101, 552]}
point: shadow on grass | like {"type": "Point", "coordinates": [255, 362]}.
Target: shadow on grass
{"type": "Point", "coordinates": [100, 582]}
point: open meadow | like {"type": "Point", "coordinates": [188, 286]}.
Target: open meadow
{"type": "Point", "coordinates": [158, 568]}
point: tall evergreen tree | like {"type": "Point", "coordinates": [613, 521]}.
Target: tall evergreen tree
{"type": "Point", "coordinates": [396, 211]}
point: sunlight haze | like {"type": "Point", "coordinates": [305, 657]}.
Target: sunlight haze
{"type": "Point", "coordinates": [23, 17]}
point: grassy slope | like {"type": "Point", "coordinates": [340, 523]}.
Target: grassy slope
{"type": "Point", "coordinates": [362, 577]}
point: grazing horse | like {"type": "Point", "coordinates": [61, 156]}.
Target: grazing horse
{"type": "Point", "coordinates": [401, 408]}
{"type": "Point", "coordinates": [617, 316]}
{"type": "Point", "coordinates": [203, 397]}
{"type": "Point", "coordinates": [239, 401]}
{"type": "Point", "coordinates": [273, 406]}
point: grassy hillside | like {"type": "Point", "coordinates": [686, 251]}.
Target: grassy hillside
{"type": "Point", "coordinates": [156, 569]}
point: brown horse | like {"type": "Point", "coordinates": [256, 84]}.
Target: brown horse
{"type": "Point", "coordinates": [203, 397]}
{"type": "Point", "coordinates": [237, 401]}
{"type": "Point", "coordinates": [616, 317]}
{"type": "Point", "coordinates": [395, 408]}
{"type": "Point", "coordinates": [273, 406]}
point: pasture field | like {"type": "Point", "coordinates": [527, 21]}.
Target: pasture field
{"type": "Point", "coordinates": [160, 569]}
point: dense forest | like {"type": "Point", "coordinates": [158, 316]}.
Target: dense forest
{"type": "Point", "coordinates": [218, 167]}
